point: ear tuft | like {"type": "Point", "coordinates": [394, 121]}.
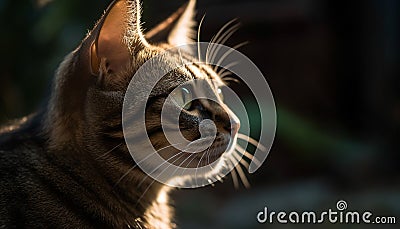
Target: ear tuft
{"type": "Point", "coordinates": [183, 32]}
{"type": "Point", "coordinates": [178, 29]}
{"type": "Point", "coordinates": [134, 34]}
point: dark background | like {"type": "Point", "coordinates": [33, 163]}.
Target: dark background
{"type": "Point", "coordinates": [333, 67]}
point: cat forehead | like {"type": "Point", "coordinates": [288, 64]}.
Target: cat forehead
{"type": "Point", "coordinates": [181, 63]}
{"type": "Point", "coordinates": [171, 68]}
{"type": "Point", "coordinates": [175, 78]}
{"type": "Point", "coordinates": [193, 71]}
{"type": "Point", "coordinates": [185, 74]}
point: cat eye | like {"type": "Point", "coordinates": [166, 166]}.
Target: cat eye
{"type": "Point", "coordinates": [182, 98]}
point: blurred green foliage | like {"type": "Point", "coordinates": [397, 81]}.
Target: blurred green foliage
{"type": "Point", "coordinates": [34, 40]}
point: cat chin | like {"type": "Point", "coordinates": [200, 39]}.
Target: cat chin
{"type": "Point", "coordinates": [196, 175]}
{"type": "Point", "coordinates": [201, 178]}
{"type": "Point", "coordinates": [220, 168]}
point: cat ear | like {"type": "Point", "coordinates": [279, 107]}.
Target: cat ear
{"type": "Point", "coordinates": [176, 29]}
{"type": "Point", "coordinates": [118, 36]}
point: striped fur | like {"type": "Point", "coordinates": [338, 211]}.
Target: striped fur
{"type": "Point", "coordinates": [67, 166]}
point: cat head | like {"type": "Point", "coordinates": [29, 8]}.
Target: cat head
{"type": "Point", "coordinates": [86, 105]}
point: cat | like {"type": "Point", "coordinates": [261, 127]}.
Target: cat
{"type": "Point", "coordinates": [68, 166]}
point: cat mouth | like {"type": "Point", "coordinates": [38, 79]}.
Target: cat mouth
{"type": "Point", "coordinates": [197, 154]}
{"type": "Point", "coordinates": [213, 153]}
{"type": "Point", "coordinates": [218, 146]}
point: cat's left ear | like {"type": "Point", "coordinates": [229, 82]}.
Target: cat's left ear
{"type": "Point", "coordinates": [176, 29]}
{"type": "Point", "coordinates": [118, 36]}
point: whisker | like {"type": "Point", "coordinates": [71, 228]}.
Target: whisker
{"type": "Point", "coordinates": [227, 34]}
{"type": "Point", "coordinates": [229, 79]}
{"type": "Point", "coordinates": [219, 34]}
{"type": "Point", "coordinates": [144, 159]}
{"type": "Point", "coordinates": [125, 174]}
{"type": "Point", "coordinates": [190, 160]}
{"type": "Point", "coordinates": [245, 164]}
{"type": "Point", "coordinates": [234, 176]}
{"type": "Point", "coordinates": [226, 54]}
{"type": "Point", "coordinates": [204, 154]}
{"type": "Point", "coordinates": [241, 160]}
{"type": "Point", "coordinates": [198, 37]}
{"type": "Point", "coordinates": [242, 176]}
{"type": "Point", "coordinates": [151, 183]}
{"type": "Point", "coordinates": [185, 160]}
{"type": "Point", "coordinates": [115, 147]}
{"type": "Point", "coordinates": [222, 41]}
{"type": "Point", "coordinates": [198, 164]}
{"type": "Point", "coordinates": [186, 164]}
{"type": "Point", "coordinates": [223, 70]}
{"type": "Point", "coordinates": [179, 166]}
{"type": "Point", "coordinates": [242, 151]}
{"type": "Point", "coordinates": [208, 157]}
{"type": "Point", "coordinates": [252, 141]}
{"type": "Point", "coordinates": [224, 77]}
{"type": "Point", "coordinates": [208, 49]}
{"type": "Point", "coordinates": [140, 198]}
{"type": "Point", "coordinates": [165, 161]}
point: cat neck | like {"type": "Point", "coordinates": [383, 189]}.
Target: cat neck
{"type": "Point", "coordinates": [133, 199]}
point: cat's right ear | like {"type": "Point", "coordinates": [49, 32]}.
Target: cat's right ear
{"type": "Point", "coordinates": [116, 37]}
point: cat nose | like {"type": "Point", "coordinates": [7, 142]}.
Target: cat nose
{"type": "Point", "coordinates": [232, 126]}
